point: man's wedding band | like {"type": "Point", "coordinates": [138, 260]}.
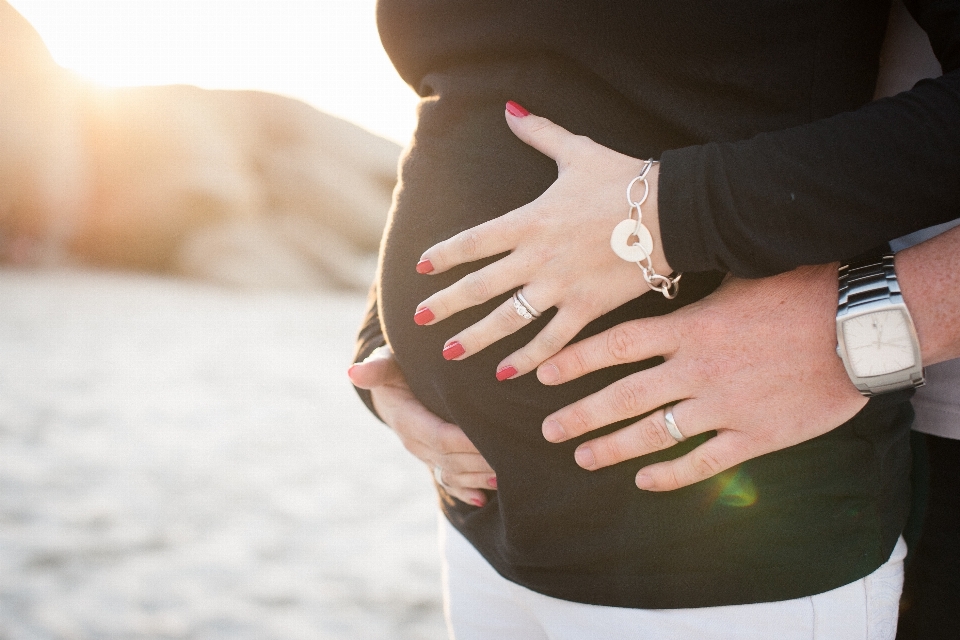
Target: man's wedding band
{"type": "Point", "coordinates": [524, 308]}
{"type": "Point", "coordinates": [438, 476]}
{"type": "Point", "coordinates": [672, 428]}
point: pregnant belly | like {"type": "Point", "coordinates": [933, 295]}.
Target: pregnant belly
{"type": "Point", "coordinates": [466, 167]}
{"type": "Point", "coordinates": [549, 519]}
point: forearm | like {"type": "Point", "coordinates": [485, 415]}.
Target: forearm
{"type": "Point", "coordinates": [817, 193]}
{"type": "Point", "coordinates": [835, 187]}
{"type": "Point", "coordinates": [929, 275]}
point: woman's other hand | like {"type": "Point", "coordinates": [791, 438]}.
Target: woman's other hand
{"type": "Point", "coordinates": [755, 361]}
{"type": "Point", "coordinates": [438, 444]}
{"type": "Point", "coordinates": [559, 250]}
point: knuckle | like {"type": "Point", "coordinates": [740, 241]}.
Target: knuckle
{"type": "Point", "coordinates": [541, 125]}
{"type": "Point", "coordinates": [621, 343]}
{"type": "Point", "coordinates": [654, 435]}
{"type": "Point", "coordinates": [458, 480]}
{"type": "Point", "coordinates": [525, 360]}
{"type": "Point", "coordinates": [579, 420]}
{"type": "Point", "coordinates": [674, 332]}
{"type": "Point", "coordinates": [612, 450]}
{"type": "Point", "coordinates": [470, 244]}
{"type": "Point", "coordinates": [580, 358]}
{"type": "Point", "coordinates": [447, 438]}
{"type": "Point", "coordinates": [582, 143]}
{"type": "Point", "coordinates": [438, 304]}
{"type": "Point", "coordinates": [477, 287]}
{"type": "Point", "coordinates": [448, 462]}
{"type": "Point", "coordinates": [448, 478]}
{"type": "Point", "coordinates": [458, 441]}
{"type": "Point", "coordinates": [434, 438]}
{"type": "Point", "coordinates": [627, 396]}
{"type": "Point", "coordinates": [441, 443]}
{"type": "Point", "coordinates": [550, 341]}
{"type": "Point", "coordinates": [440, 254]}
{"type": "Point", "coordinates": [675, 477]}
{"type": "Point", "coordinates": [576, 144]}
{"type": "Point", "coordinates": [544, 253]}
{"type": "Point", "coordinates": [716, 367]}
{"type": "Point", "coordinates": [536, 221]}
{"type": "Point", "coordinates": [590, 307]}
{"type": "Point", "coordinates": [705, 464]}
{"type": "Point", "coordinates": [507, 318]}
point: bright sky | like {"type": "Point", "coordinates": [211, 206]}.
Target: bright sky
{"type": "Point", "coordinates": [325, 52]}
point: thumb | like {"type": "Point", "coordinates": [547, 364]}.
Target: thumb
{"type": "Point", "coordinates": [543, 135]}
{"type": "Point", "coordinates": [379, 368]}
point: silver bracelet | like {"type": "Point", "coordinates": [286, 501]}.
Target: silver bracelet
{"type": "Point", "coordinates": [632, 241]}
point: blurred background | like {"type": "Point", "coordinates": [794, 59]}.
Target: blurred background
{"type": "Point", "coordinates": [325, 52]}
{"type": "Point", "coordinates": [191, 196]}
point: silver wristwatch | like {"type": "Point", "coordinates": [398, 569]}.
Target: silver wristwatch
{"type": "Point", "coordinates": [876, 338]}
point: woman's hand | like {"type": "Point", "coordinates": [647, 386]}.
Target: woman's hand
{"type": "Point", "coordinates": [755, 361]}
{"type": "Point", "coordinates": [559, 248]}
{"type": "Point", "coordinates": [439, 444]}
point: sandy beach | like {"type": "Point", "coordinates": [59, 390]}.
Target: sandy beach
{"type": "Point", "coordinates": [179, 460]}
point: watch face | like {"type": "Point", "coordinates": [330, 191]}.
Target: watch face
{"type": "Point", "coordinates": [878, 343]}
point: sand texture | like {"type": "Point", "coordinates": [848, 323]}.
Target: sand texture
{"type": "Point", "coordinates": [183, 461]}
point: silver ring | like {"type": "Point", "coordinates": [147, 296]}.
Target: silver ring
{"type": "Point", "coordinates": [524, 308]}
{"type": "Point", "coordinates": [672, 424]}
{"type": "Point", "coordinates": [438, 476]}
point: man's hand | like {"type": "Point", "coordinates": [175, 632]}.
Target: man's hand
{"type": "Point", "coordinates": [755, 361]}
{"type": "Point", "coordinates": [426, 436]}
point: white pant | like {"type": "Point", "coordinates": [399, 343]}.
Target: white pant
{"type": "Point", "coordinates": [481, 605]}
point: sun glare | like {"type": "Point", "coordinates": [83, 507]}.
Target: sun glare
{"type": "Point", "coordinates": [734, 488]}
{"type": "Point", "coordinates": [325, 52]}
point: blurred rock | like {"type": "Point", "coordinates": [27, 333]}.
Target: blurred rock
{"type": "Point", "coordinates": [238, 187]}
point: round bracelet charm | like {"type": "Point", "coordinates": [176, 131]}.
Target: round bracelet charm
{"type": "Point", "coordinates": [631, 241]}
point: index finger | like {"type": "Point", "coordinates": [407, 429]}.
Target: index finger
{"type": "Point", "coordinates": [628, 342]}
{"type": "Point", "coordinates": [482, 241]}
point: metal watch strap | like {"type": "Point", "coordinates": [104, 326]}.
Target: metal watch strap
{"type": "Point", "coordinates": [873, 279]}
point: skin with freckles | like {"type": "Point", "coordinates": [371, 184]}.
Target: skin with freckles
{"type": "Point", "coordinates": [577, 272]}
{"type": "Point", "coordinates": [746, 361]}
{"type": "Point", "coordinates": [755, 361]}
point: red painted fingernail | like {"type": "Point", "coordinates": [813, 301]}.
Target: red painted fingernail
{"type": "Point", "coordinates": [516, 110]}
{"type": "Point", "coordinates": [506, 372]}
{"type": "Point", "coordinates": [424, 266]}
{"type": "Point", "coordinates": [453, 350]}
{"type": "Point", "coordinates": [492, 482]}
{"type": "Point", "coordinates": [423, 316]}
{"type": "Point", "coordinates": [477, 502]}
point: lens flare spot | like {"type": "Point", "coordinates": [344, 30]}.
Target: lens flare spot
{"type": "Point", "coordinates": [735, 489]}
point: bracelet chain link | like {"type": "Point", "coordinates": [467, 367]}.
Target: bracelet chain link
{"type": "Point", "coordinates": [667, 285]}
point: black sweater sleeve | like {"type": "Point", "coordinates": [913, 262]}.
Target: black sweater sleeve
{"type": "Point", "coordinates": [369, 338]}
{"type": "Point", "coordinates": [826, 190]}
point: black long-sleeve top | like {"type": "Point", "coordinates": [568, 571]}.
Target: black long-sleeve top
{"type": "Point", "coordinates": [771, 157]}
